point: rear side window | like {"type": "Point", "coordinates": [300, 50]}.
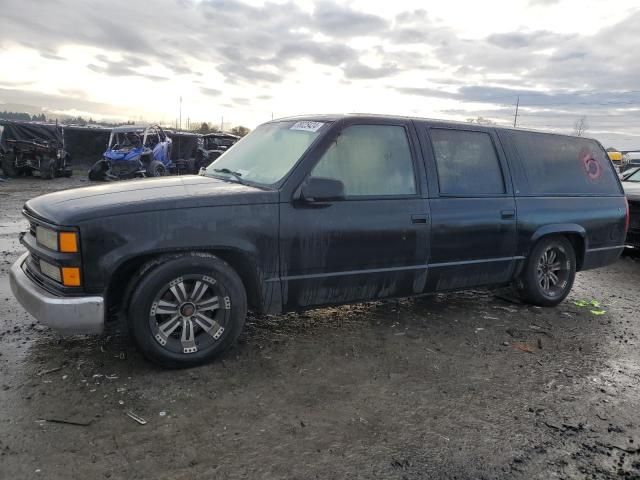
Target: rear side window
{"type": "Point", "coordinates": [467, 163]}
{"type": "Point", "coordinates": [370, 160]}
{"type": "Point", "coordinates": [555, 164]}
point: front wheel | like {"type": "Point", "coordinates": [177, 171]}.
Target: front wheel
{"type": "Point", "coordinates": [187, 309]}
{"type": "Point", "coordinates": [156, 169]}
{"type": "Point", "coordinates": [99, 171]}
{"type": "Point", "coordinates": [549, 273]}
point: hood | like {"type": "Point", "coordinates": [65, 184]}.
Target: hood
{"type": "Point", "coordinates": [123, 154]}
{"type": "Point", "coordinates": [70, 207]}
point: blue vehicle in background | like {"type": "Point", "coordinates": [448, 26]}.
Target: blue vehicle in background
{"type": "Point", "coordinates": [134, 152]}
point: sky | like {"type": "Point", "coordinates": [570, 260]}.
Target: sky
{"type": "Point", "coordinates": [246, 61]}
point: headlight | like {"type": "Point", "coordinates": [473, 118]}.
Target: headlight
{"type": "Point", "coordinates": [67, 276]}
{"type": "Point", "coordinates": [50, 271]}
{"type": "Point", "coordinates": [66, 242]}
{"type": "Point", "coordinates": [47, 238]}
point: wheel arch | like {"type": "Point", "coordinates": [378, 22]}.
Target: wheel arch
{"type": "Point", "coordinates": [576, 234]}
{"type": "Point", "coordinates": [123, 280]}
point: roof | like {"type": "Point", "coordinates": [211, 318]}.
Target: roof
{"type": "Point", "coordinates": [129, 128]}
{"type": "Point", "coordinates": [221, 135]}
{"type": "Point", "coordinates": [372, 116]}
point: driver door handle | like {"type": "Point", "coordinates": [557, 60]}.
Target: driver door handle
{"type": "Point", "coordinates": [419, 219]}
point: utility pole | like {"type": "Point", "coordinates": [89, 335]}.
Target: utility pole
{"type": "Point", "coordinates": [180, 124]}
{"type": "Point", "coordinates": [515, 118]}
{"type": "Point", "coordinates": [222, 123]}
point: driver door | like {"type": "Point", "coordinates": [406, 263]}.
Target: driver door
{"type": "Point", "coordinates": [373, 242]}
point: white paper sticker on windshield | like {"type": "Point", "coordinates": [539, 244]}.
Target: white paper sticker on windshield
{"type": "Point", "coordinates": [307, 126]}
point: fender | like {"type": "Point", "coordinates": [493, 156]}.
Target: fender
{"type": "Point", "coordinates": [559, 228]}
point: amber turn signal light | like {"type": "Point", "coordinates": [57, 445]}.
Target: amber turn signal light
{"type": "Point", "coordinates": [71, 276]}
{"type": "Point", "coordinates": [68, 242]}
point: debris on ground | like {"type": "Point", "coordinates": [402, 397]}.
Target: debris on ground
{"type": "Point", "coordinates": [77, 423]}
{"type": "Point", "coordinates": [523, 347]}
{"type": "Point", "coordinates": [137, 418]}
{"type": "Point", "coordinates": [52, 370]}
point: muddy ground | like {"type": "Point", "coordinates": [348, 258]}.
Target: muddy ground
{"type": "Point", "coordinates": [464, 385]}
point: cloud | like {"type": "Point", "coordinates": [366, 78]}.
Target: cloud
{"type": "Point", "coordinates": [253, 49]}
{"type": "Point", "coordinates": [211, 92]}
{"type": "Point", "coordinates": [543, 2]}
{"type": "Point", "coordinates": [339, 21]}
{"type": "Point", "coordinates": [538, 39]}
{"type": "Point", "coordinates": [357, 70]}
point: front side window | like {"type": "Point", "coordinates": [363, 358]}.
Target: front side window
{"type": "Point", "coordinates": [269, 152]}
{"type": "Point", "coordinates": [370, 160]}
{"type": "Point", "coordinates": [467, 163]}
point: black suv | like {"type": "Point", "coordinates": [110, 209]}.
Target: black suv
{"type": "Point", "coordinates": [321, 210]}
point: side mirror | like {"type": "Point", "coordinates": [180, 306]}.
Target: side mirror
{"type": "Point", "coordinates": [316, 189]}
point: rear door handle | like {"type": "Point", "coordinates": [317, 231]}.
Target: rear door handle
{"type": "Point", "coordinates": [419, 219]}
{"type": "Point", "coordinates": [508, 213]}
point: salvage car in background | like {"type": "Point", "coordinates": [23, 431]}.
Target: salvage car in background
{"type": "Point", "coordinates": [134, 151]}
{"type": "Point", "coordinates": [630, 160]}
{"type": "Point", "coordinates": [34, 149]}
{"type": "Point", "coordinates": [184, 150]}
{"type": "Point", "coordinates": [631, 186]}
{"type": "Point", "coordinates": [212, 146]}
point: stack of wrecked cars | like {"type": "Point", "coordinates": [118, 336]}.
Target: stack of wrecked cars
{"type": "Point", "coordinates": [212, 145]}
{"type": "Point", "coordinates": [28, 148]}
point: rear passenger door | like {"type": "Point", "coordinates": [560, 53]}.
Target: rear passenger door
{"type": "Point", "coordinates": [473, 212]}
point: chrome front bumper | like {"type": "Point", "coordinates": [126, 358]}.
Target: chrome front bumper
{"type": "Point", "coordinates": [67, 315]}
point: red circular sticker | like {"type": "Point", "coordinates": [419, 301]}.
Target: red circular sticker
{"type": "Point", "coordinates": [591, 166]}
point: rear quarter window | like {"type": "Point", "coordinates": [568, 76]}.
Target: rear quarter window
{"type": "Point", "coordinates": [556, 164]}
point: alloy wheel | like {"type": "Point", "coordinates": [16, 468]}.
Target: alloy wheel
{"type": "Point", "coordinates": [189, 314]}
{"type": "Point", "coordinates": [553, 271]}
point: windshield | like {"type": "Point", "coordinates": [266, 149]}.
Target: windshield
{"type": "Point", "coordinates": [125, 140]}
{"type": "Point", "coordinates": [634, 177]}
{"type": "Point", "coordinates": [268, 153]}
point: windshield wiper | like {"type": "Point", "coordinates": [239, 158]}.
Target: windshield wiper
{"type": "Point", "coordinates": [236, 175]}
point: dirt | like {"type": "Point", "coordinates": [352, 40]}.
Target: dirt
{"type": "Point", "coordinates": [464, 385]}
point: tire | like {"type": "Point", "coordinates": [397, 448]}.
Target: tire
{"type": "Point", "coordinates": [166, 309]}
{"type": "Point", "coordinates": [49, 171]}
{"type": "Point", "coordinates": [551, 258]}
{"type": "Point", "coordinates": [156, 169]}
{"type": "Point", "coordinates": [8, 165]}
{"type": "Point", "coordinates": [98, 171]}
{"type": "Point", "coordinates": [191, 166]}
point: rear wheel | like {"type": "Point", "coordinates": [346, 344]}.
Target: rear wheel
{"type": "Point", "coordinates": [187, 310]}
{"type": "Point", "coordinates": [550, 271]}
{"type": "Point", "coordinates": [156, 169]}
